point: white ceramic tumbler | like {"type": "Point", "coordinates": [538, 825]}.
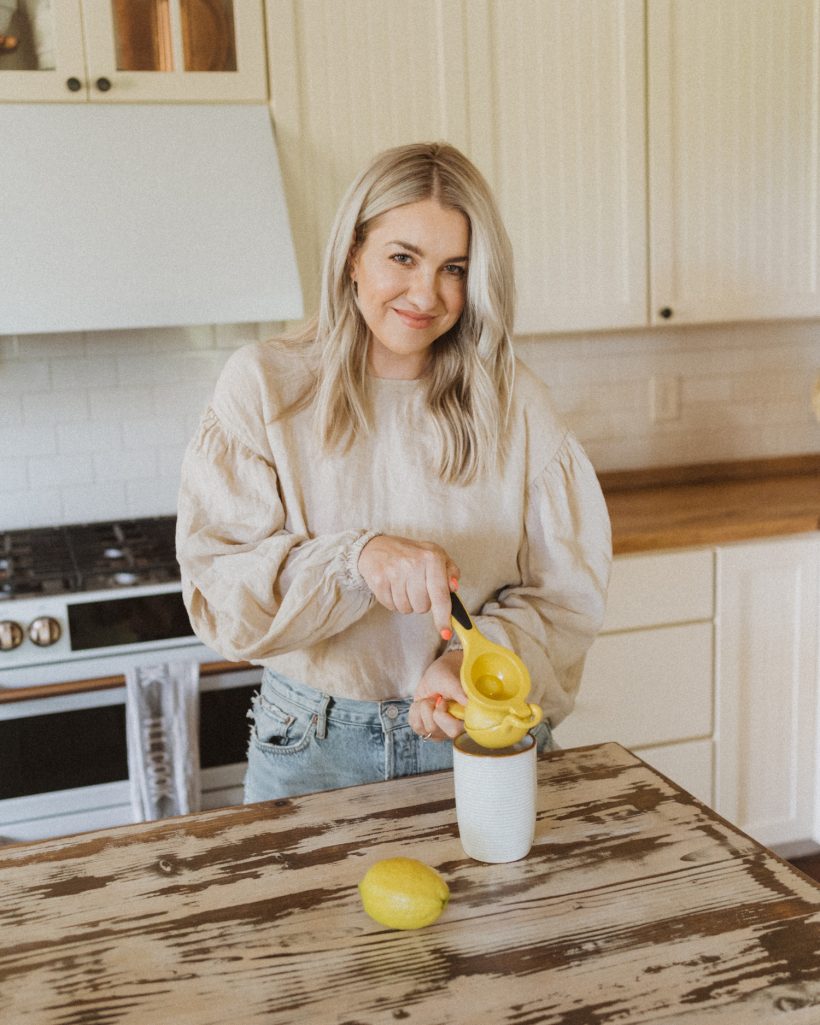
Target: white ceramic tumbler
{"type": "Point", "coordinates": [495, 798]}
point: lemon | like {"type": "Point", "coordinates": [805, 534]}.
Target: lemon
{"type": "Point", "coordinates": [403, 893]}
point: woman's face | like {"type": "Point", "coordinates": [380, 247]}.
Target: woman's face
{"type": "Point", "coordinates": [411, 274]}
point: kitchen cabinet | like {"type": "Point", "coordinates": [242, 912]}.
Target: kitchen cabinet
{"type": "Point", "coordinates": [121, 52]}
{"type": "Point", "coordinates": [648, 680]}
{"type": "Point", "coordinates": [583, 117]}
{"type": "Point", "coordinates": [767, 682]}
{"type": "Point", "coordinates": [546, 97]}
{"type": "Point", "coordinates": [707, 667]}
{"type": "Point", "coordinates": [734, 169]}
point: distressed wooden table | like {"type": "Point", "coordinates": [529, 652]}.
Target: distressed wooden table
{"type": "Point", "coordinates": [636, 904]}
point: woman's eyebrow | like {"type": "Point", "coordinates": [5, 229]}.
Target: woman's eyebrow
{"type": "Point", "coordinates": [419, 252]}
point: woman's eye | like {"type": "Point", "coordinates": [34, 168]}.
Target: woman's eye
{"type": "Point", "coordinates": [456, 269]}
{"type": "Point", "coordinates": [402, 258]}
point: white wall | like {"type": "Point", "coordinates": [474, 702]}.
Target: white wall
{"type": "Point", "coordinates": [93, 426]}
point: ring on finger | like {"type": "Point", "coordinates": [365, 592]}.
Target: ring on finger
{"type": "Point", "coordinates": [427, 736]}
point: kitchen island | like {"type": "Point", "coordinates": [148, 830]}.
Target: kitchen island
{"type": "Point", "coordinates": [636, 904]}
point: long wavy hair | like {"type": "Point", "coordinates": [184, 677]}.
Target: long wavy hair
{"type": "Point", "coordinates": [470, 374]}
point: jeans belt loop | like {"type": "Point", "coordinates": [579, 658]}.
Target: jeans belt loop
{"type": "Point", "coordinates": [321, 717]}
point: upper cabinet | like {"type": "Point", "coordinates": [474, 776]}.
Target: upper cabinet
{"type": "Point", "coordinates": [545, 95]}
{"type": "Point", "coordinates": [556, 117]}
{"type": "Point", "coordinates": [733, 159]}
{"type": "Point", "coordinates": [655, 162]}
{"type": "Point", "coordinates": [121, 51]}
{"type": "Point", "coordinates": [348, 80]}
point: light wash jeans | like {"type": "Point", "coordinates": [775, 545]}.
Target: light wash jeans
{"type": "Point", "coordinates": [303, 740]}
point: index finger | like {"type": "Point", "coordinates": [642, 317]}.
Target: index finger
{"type": "Point", "coordinates": [438, 588]}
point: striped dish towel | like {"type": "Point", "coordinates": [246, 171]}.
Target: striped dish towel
{"type": "Point", "coordinates": [162, 733]}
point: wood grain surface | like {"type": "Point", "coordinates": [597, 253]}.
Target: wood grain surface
{"type": "Point", "coordinates": [636, 904]}
{"type": "Point", "coordinates": [713, 506]}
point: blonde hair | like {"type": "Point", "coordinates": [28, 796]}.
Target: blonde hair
{"type": "Point", "coordinates": [470, 377]}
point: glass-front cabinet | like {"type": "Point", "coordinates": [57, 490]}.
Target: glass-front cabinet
{"type": "Point", "coordinates": [120, 51]}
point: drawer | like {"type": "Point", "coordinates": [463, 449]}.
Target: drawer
{"type": "Point", "coordinates": [644, 688]}
{"type": "Point", "coordinates": [652, 590]}
{"type": "Point", "coordinates": [690, 765]}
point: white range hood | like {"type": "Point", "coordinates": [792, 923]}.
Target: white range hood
{"type": "Point", "coordinates": [141, 216]}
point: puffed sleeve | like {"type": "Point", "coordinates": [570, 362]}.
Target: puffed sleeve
{"type": "Point", "coordinates": [553, 616]}
{"type": "Point", "coordinates": [252, 589]}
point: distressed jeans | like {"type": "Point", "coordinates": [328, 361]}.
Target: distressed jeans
{"type": "Point", "coordinates": [303, 741]}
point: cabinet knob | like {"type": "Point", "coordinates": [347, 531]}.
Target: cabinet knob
{"type": "Point", "coordinates": [11, 635]}
{"type": "Point", "coordinates": [666, 312]}
{"type": "Point", "coordinates": [73, 84]}
{"type": "Point", "coordinates": [103, 84]}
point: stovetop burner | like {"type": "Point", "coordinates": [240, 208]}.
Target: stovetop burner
{"type": "Point", "coordinates": [87, 557]}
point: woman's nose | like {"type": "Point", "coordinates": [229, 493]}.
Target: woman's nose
{"type": "Point", "coordinates": [423, 291]}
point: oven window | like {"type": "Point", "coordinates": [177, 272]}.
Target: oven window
{"type": "Point", "coordinates": [61, 750]}
{"type": "Point", "coordinates": [41, 754]}
{"type": "Point", "coordinates": [152, 617]}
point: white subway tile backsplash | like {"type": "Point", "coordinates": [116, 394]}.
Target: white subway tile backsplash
{"type": "Point", "coordinates": [157, 498]}
{"type": "Point", "coordinates": [55, 407]}
{"type": "Point", "coordinates": [117, 403]}
{"type": "Point", "coordinates": [94, 426]}
{"type": "Point", "coordinates": [89, 436]}
{"type": "Point", "coordinates": [103, 501]}
{"type": "Point", "coordinates": [18, 376]}
{"type": "Point", "coordinates": [60, 470]}
{"type": "Point", "coordinates": [138, 464]}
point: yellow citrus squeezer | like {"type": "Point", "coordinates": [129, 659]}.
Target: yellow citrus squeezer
{"type": "Point", "coordinates": [496, 683]}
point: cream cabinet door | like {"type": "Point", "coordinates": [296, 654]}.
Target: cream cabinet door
{"type": "Point", "coordinates": [348, 80]}
{"type": "Point", "coordinates": [733, 127]}
{"type": "Point", "coordinates": [47, 64]}
{"type": "Point", "coordinates": [557, 122]}
{"type": "Point", "coordinates": [546, 96]}
{"type": "Point", "coordinates": [767, 681]}
{"type": "Point", "coordinates": [175, 50]}
{"type": "Point", "coordinates": [119, 51]}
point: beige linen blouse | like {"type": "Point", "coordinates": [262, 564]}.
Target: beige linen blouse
{"type": "Point", "coordinates": [270, 528]}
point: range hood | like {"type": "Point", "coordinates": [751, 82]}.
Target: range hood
{"type": "Point", "coordinates": [141, 216]}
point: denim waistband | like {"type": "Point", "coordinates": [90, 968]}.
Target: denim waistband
{"type": "Point", "coordinates": [387, 715]}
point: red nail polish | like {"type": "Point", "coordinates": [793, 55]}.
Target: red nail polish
{"type": "Point", "coordinates": [446, 634]}
{"type": "Point", "coordinates": [454, 583]}
{"type": "Point", "coordinates": [439, 700]}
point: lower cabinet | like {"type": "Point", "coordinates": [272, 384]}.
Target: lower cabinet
{"type": "Point", "coordinates": [767, 683]}
{"type": "Point", "coordinates": [707, 668]}
{"type": "Point", "coordinates": [648, 680]}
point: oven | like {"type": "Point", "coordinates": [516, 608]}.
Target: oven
{"type": "Point", "coordinates": [79, 606]}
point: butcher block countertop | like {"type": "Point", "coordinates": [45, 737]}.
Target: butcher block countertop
{"type": "Point", "coordinates": [712, 503]}
{"type": "Point", "coordinates": [636, 904]}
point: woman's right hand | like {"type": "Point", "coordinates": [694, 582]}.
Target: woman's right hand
{"type": "Point", "coordinates": [410, 576]}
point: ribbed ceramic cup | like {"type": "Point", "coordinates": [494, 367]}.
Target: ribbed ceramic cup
{"type": "Point", "coordinates": [495, 798]}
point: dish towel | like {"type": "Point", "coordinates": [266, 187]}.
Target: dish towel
{"type": "Point", "coordinates": [162, 734]}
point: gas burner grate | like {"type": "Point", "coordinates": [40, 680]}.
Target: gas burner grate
{"type": "Point", "coordinates": [87, 556]}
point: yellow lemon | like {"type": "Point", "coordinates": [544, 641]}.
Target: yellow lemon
{"type": "Point", "coordinates": [403, 893]}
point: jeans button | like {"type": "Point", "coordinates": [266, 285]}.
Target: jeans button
{"type": "Point", "coordinates": [391, 711]}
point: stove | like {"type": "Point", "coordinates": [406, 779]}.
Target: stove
{"type": "Point", "coordinates": [89, 591]}
{"type": "Point", "coordinates": [87, 557]}
{"type": "Point", "coordinates": [80, 606]}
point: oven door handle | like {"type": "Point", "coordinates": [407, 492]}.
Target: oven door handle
{"type": "Point", "coordinates": [49, 690]}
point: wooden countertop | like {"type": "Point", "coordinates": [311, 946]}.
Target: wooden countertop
{"type": "Point", "coordinates": [636, 904]}
{"type": "Point", "coordinates": [713, 503]}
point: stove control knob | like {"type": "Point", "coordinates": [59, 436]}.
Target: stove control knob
{"type": "Point", "coordinates": [44, 631]}
{"type": "Point", "coordinates": [11, 635]}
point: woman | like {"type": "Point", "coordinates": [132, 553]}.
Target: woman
{"type": "Point", "coordinates": [343, 481]}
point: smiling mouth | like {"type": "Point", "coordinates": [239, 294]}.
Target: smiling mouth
{"type": "Point", "coordinates": [414, 319]}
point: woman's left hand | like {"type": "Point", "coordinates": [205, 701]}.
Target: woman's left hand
{"type": "Point", "coordinates": [440, 683]}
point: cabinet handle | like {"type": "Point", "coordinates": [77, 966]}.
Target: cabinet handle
{"type": "Point", "coordinates": [666, 312]}
{"type": "Point", "coordinates": [103, 84]}
{"type": "Point", "coordinates": [74, 84]}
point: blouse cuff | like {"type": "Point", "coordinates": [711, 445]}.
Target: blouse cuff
{"type": "Point", "coordinates": [350, 560]}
